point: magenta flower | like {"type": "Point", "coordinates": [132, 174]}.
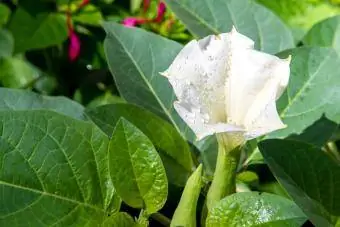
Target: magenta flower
{"type": "Point", "coordinates": [74, 45]}
{"type": "Point", "coordinates": [160, 12]}
{"type": "Point", "coordinates": [83, 3]}
{"type": "Point", "coordinates": [146, 5]}
{"type": "Point", "coordinates": [133, 21]}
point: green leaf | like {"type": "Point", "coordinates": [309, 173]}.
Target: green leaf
{"type": "Point", "coordinates": [6, 43]}
{"type": "Point", "coordinates": [325, 34]}
{"type": "Point", "coordinates": [120, 219]}
{"type": "Point", "coordinates": [312, 92]}
{"type": "Point", "coordinates": [53, 171]}
{"type": "Point", "coordinates": [174, 151]}
{"type": "Point", "coordinates": [34, 27]}
{"type": "Point", "coordinates": [255, 209]}
{"type": "Point", "coordinates": [310, 177]}
{"type": "Point", "coordinates": [14, 99]}
{"type": "Point", "coordinates": [135, 58]}
{"type": "Point", "coordinates": [136, 169]}
{"type": "Point", "coordinates": [17, 73]}
{"type": "Point", "coordinates": [204, 17]}
{"type": "Point", "coordinates": [5, 12]}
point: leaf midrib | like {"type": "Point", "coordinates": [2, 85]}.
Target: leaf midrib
{"type": "Point", "coordinates": [304, 87]}
{"type": "Point", "coordinates": [44, 193]}
{"type": "Point", "coordinates": [146, 82]}
{"type": "Point", "coordinates": [201, 20]}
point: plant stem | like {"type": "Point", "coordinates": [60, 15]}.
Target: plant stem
{"type": "Point", "coordinates": [165, 221]}
{"type": "Point", "coordinates": [223, 183]}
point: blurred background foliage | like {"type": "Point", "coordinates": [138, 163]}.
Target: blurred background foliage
{"type": "Point", "coordinates": [55, 47]}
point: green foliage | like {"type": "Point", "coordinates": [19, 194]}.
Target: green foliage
{"type": "Point", "coordinates": [4, 14]}
{"type": "Point", "coordinates": [120, 219]}
{"type": "Point", "coordinates": [17, 73]}
{"type": "Point", "coordinates": [301, 104]}
{"type": "Point", "coordinates": [6, 44]}
{"type": "Point", "coordinates": [94, 140]}
{"type": "Point", "coordinates": [254, 209]}
{"type": "Point", "coordinates": [205, 17]}
{"type": "Point", "coordinates": [173, 149]}
{"type": "Point", "coordinates": [143, 62]}
{"type": "Point", "coordinates": [54, 171]}
{"type": "Point", "coordinates": [185, 214]}
{"type": "Point", "coordinates": [301, 14]}
{"type": "Point", "coordinates": [308, 174]}
{"type": "Point", "coordinates": [324, 34]}
{"type": "Point", "coordinates": [33, 28]}
{"type": "Point", "coordinates": [19, 100]}
{"type": "Point", "coordinates": [136, 169]}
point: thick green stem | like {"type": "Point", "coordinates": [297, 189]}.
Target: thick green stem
{"type": "Point", "coordinates": [223, 183]}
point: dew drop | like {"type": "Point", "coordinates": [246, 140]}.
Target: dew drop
{"type": "Point", "coordinates": [233, 206]}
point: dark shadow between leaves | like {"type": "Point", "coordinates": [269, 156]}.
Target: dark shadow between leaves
{"type": "Point", "coordinates": [317, 134]}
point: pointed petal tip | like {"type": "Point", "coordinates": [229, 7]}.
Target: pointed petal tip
{"type": "Point", "coordinates": [218, 37]}
{"type": "Point", "coordinates": [199, 137]}
{"type": "Point", "coordinates": [289, 58]}
{"type": "Point", "coordinates": [233, 29]}
{"type": "Point", "coordinates": [165, 74]}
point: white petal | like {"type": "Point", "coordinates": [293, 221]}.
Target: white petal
{"type": "Point", "coordinates": [199, 123]}
{"type": "Point", "coordinates": [193, 85]}
{"type": "Point", "coordinates": [251, 72]}
{"type": "Point", "coordinates": [262, 116]}
{"type": "Point", "coordinates": [219, 51]}
{"type": "Point", "coordinates": [265, 123]}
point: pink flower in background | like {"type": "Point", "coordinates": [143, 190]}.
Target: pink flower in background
{"type": "Point", "coordinates": [146, 5]}
{"type": "Point", "coordinates": [133, 21]}
{"type": "Point", "coordinates": [74, 46]}
{"type": "Point", "coordinates": [160, 12]}
{"type": "Point", "coordinates": [74, 41]}
{"type": "Point", "coordinates": [83, 3]}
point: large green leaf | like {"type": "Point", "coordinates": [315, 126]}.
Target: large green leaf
{"type": "Point", "coordinates": [53, 171]}
{"type": "Point", "coordinates": [205, 17]}
{"type": "Point", "coordinates": [136, 169]}
{"type": "Point", "coordinates": [310, 177]}
{"type": "Point", "coordinates": [34, 27]}
{"type": "Point", "coordinates": [173, 149]}
{"type": "Point", "coordinates": [6, 43]}
{"type": "Point", "coordinates": [312, 92]}
{"type": "Point", "coordinates": [255, 209]}
{"type": "Point", "coordinates": [135, 58]}
{"type": "Point", "coordinates": [14, 99]}
{"type": "Point", "coordinates": [325, 34]}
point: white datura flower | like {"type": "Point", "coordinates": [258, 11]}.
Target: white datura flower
{"type": "Point", "coordinates": [224, 85]}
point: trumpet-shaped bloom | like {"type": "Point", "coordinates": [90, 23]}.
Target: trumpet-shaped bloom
{"type": "Point", "coordinates": [223, 85]}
